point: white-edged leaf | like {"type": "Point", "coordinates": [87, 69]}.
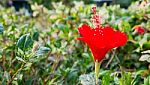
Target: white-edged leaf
{"type": "Point", "coordinates": [87, 79]}
{"type": "Point", "coordinates": [145, 57]}
{"type": "Point", "coordinates": [147, 51]}
{"type": "Point", "coordinates": [24, 42]}
{"type": "Point", "coordinates": [42, 50]}
{"type": "Point", "coordinates": [20, 59]}
{"type": "Point", "coordinates": [20, 51]}
{"type": "Point", "coordinates": [27, 66]}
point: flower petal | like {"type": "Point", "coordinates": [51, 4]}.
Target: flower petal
{"type": "Point", "coordinates": [84, 30]}
{"type": "Point", "coordinates": [99, 54]}
{"type": "Point", "coordinates": [120, 38]}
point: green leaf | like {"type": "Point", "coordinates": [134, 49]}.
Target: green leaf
{"type": "Point", "coordinates": [69, 18]}
{"type": "Point", "coordinates": [42, 50]}
{"type": "Point", "coordinates": [15, 83]}
{"type": "Point", "coordinates": [144, 40]}
{"type": "Point", "coordinates": [136, 80]}
{"type": "Point", "coordinates": [147, 81]}
{"type": "Point", "coordinates": [19, 76]}
{"type": "Point", "coordinates": [6, 75]}
{"type": "Point", "coordinates": [36, 36]}
{"type": "Point", "coordinates": [29, 81]}
{"type": "Point", "coordinates": [27, 66]}
{"type": "Point", "coordinates": [24, 42]}
{"type": "Point", "coordinates": [126, 79]}
{"type": "Point", "coordinates": [146, 45]}
{"type": "Point", "coordinates": [125, 26]}
{"type": "Point", "coordinates": [51, 82]}
{"type": "Point", "coordinates": [20, 52]}
{"type": "Point", "coordinates": [106, 79]}
{"type": "Point", "coordinates": [58, 43]}
{"type": "Point", "coordinates": [1, 28]}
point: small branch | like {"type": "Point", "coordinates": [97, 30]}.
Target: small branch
{"type": "Point", "coordinates": [16, 74]}
{"type": "Point", "coordinates": [133, 41]}
{"type": "Point", "coordinates": [112, 56]}
{"type": "Point", "coordinates": [4, 60]}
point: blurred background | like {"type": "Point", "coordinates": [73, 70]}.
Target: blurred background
{"type": "Point", "coordinates": [39, 46]}
{"type": "Point", "coordinates": [47, 3]}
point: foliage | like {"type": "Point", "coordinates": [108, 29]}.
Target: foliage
{"type": "Point", "coordinates": [44, 50]}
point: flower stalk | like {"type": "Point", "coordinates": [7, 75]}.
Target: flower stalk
{"type": "Point", "coordinates": [97, 68]}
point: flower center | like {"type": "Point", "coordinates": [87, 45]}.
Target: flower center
{"type": "Point", "coordinates": [95, 18]}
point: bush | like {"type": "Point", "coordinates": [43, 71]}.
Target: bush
{"type": "Point", "coordinates": [44, 49]}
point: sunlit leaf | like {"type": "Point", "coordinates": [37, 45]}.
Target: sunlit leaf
{"type": "Point", "coordinates": [147, 51]}
{"type": "Point", "coordinates": [20, 59]}
{"type": "Point", "coordinates": [145, 57]}
{"type": "Point", "coordinates": [42, 50]}
{"type": "Point", "coordinates": [24, 42]}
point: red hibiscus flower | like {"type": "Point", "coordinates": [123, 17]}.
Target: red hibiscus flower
{"type": "Point", "coordinates": [139, 29]}
{"type": "Point", "coordinates": [101, 39]}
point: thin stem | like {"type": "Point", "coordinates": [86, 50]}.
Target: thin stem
{"type": "Point", "coordinates": [112, 57]}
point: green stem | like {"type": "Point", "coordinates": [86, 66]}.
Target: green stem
{"type": "Point", "coordinates": [97, 68]}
